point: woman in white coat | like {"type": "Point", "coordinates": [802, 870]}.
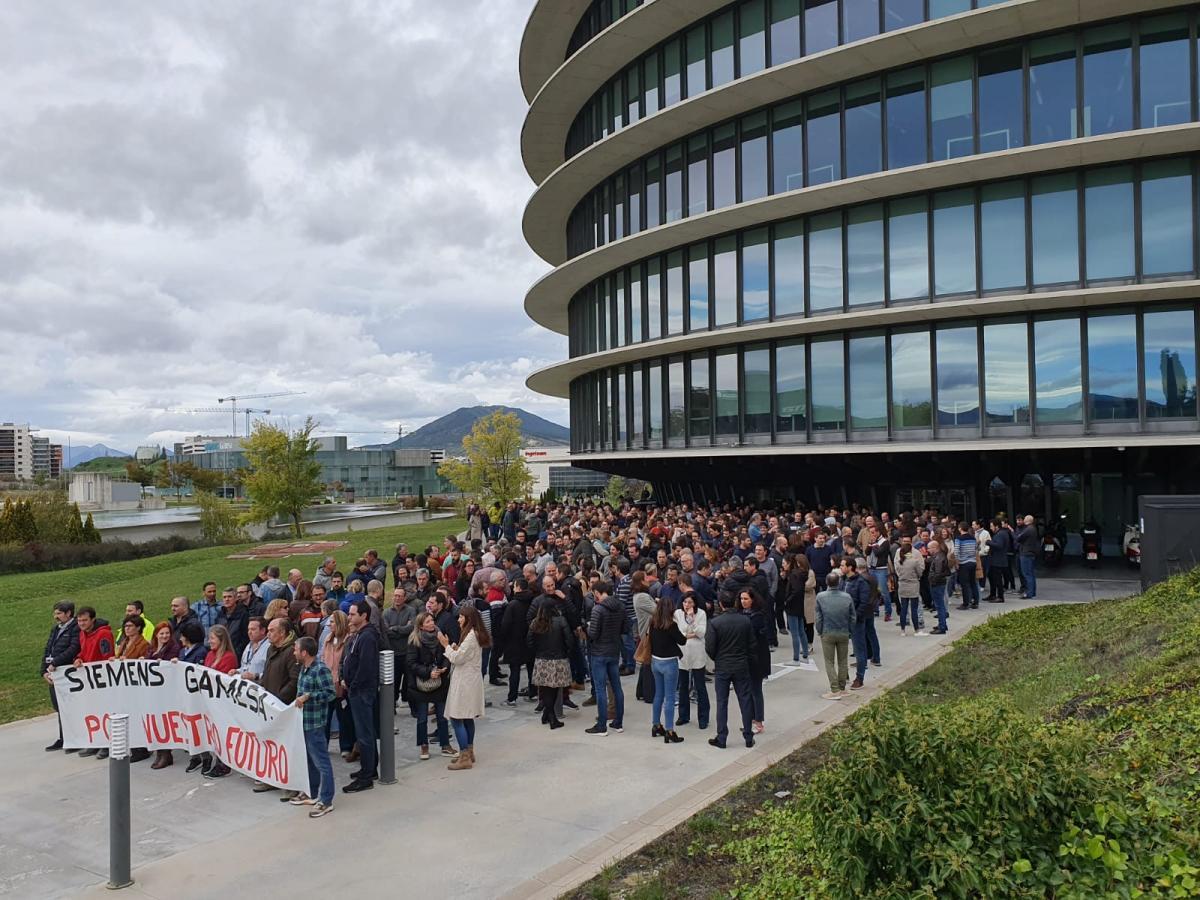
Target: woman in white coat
{"type": "Point", "coordinates": [464, 703]}
{"type": "Point", "coordinates": [693, 623]}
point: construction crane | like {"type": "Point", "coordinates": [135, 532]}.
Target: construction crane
{"type": "Point", "coordinates": [220, 409]}
{"type": "Point", "coordinates": [233, 404]}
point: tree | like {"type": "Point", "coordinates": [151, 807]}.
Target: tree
{"type": "Point", "coordinates": [494, 468]}
{"type": "Point", "coordinates": [8, 522]}
{"type": "Point", "coordinates": [284, 477]}
{"type": "Point", "coordinates": [140, 474]}
{"type": "Point", "coordinates": [75, 528]}
{"type": "Point", "coordinates": [91, 534]}
{"type": "Point", "coordinates": [207, 481]}
{"type": "Point", "coordinates": [218, 522]}
{"type": "Point", "coordinates": [420, 496]}
{"type": "Point", "coordinates": [25, 525]}
{"type": "Point", "coordinates": [175, 474]}
{"type": "Point", "coordinates": [614, 491]}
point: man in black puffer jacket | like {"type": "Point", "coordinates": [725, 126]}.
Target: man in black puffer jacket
{"type": "Point", "coordinates": [605, 629]}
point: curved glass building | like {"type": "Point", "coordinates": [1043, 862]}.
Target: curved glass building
{"type": "Point", "coordinates": [904, 251]}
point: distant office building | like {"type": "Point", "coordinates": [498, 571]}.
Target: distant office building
{"type": "Point", "coordinates": [146, 454]}
{"type": "Point", "coordinates": [24, 456]}
{"type": "Point", "coordinates": [346, 470]}
{"type": "Point", "coordinates": [552, 470]}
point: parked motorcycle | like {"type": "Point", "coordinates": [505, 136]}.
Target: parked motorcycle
{"type": "Point", "coordinates": [1053, 543]}
{"type": "Point", "coordinates": [1090, 533]}
{"type": "Point", "coordinates": [1131, 545]}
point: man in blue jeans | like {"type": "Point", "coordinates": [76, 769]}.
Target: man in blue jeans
{"type": "Point", "coordinates": [360, 675]}
{"type": "Point", "coordinates": [314, 697]}
{"type": "Point", "coordinates": [1027, 550]}
{"type": "Point", "coordinates": [605, 630]}
{"type": "Point", "coordinates": [855, 584]}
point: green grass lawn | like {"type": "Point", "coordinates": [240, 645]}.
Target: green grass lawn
{"type": "Point", "coordinates": [26, 600]}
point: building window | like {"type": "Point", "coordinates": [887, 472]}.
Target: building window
{"type": "Point", "coordinates": [912, 397]}
{"type": "Point", "coordinates": [1057, 371]}
{"type": "Point", "coordinates": [1107, 79]}
{"type": "Point", "coordinates": [825, 262]}
{"type": "Point", "coordinates": [1006, 370]}
{"type": "Point", "coordinates": [1055, 230]}
{"type": "Point", "coordinates": [755, 276]}
{"type": "Point", "coordinates": [868, 382]}
{"type": "Point", "coordinates": [756, 387]}
{"type": "Point", "coordinates": [699, 400]}
{"type": "Point", "coordinates": [1112, 356]}
{"type": "Point", "coordinates": [954, 242]}
{"type": "Point", "coordinates": [726, 395]}
{"type": "Point", "coordinates": [791, 388]}
{"type": "Point", "coordinates": [864, 255]}
{"type": "Point", "coordinates": [1166, 232]}
{"type": "Point", "coordinates": [1169, 349]}
{"type": "Point", "coordinates": [1109, 226]}
{"type": "Point", "coordinates": [828, 384]}
{"type": "Point", "coordinates": [957, 377]}
{"type": "Point", "coordinates": [789, 268]}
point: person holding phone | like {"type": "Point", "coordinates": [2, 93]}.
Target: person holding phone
{"type": "Point", "coordinates": [428, 682]}
{"type": "Point", "coordinates": [465, 701]}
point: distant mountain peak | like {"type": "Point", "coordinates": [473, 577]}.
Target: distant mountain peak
{"type": "Point", "coordinates": [83, 453]}
{"type": "Point", "coordinates": [447, 433]}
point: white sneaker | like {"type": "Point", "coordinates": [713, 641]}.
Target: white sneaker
{"type": "Point", "coordinates": [921, 633]}
{"type": "Point", "coordinates": [832, 695]}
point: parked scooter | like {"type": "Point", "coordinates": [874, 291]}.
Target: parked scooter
{"type": "Point", "coordinates": [1090, 533]}
{"type": "Point", "coordinates": [1132, 546]}
{"type": "Point", "coordinates": [1053, 543]}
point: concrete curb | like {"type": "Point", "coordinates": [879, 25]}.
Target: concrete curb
{"type": "Point", "coordinates": [589, 861]}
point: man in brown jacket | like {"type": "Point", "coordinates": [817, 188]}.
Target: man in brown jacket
{"type": "Point", "coordinates": [279, 676]}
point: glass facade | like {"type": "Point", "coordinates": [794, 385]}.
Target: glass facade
{"type": "Point", "coordinates": [1126, 369]}
{"type": "Point", "coordinates": [1121, 224]}
{"type": "Point", "coordinates": [948, 109]}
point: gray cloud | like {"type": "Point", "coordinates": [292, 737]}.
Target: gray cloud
{"type": "Point", "coordinates": [199, 199]}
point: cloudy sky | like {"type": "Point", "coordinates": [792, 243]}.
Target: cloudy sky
{"type": "Point", "coordinates": [217, 197]}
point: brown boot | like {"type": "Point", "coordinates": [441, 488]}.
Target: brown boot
{"type": "Point", "coordinates": [352, 756]}
{"type": "Point", "coordinates": [162, 759]}
{"type": "Point", "coordinates": [465, 760]}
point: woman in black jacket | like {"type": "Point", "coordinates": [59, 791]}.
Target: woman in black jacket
{"type": "Point", "coordinates": [511, 641]}
{"type": "Point", "coordinates": [549, 640]}
{"type": "Point", "coordinates": [427, 681]}
{"type": "Point", "coordinates": [665, 642]}
{"type": "Point", "coordinates": [760, 666]}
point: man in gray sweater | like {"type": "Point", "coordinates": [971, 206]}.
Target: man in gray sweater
{"type": "Point", "coordinates": [835, 620]}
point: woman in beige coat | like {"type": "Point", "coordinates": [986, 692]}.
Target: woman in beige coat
{"type": "Point", "coordinates": [464, 703]}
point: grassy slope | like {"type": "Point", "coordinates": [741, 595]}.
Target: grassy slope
{"type": "Point", "coordinates": [1123, 671]}
{"type": "Point", "coordinates": [26, 600]}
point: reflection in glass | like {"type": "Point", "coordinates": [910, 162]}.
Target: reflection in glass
{"type": "Point", "coordinates": [674, 183]}
{"type": "Point", "coordinates": [637, 409]}
{"type": "Point", "coordinates": [912, 398]}
{"type": "Point", "coordinates": [1107, 79]}
{"type": "Point", "coordinates": [756, 385]}
{"type": "Point", "coordinates": [653, 192]}
{"type": "Point", "coordinates": [1167, 217]}
{"type": "Point", "coordinates": [1001, 100]}
{"type": "Point", "coordinates": [755, 276]}
{"type": "Point", "coordinates": [752, 40]}
{"type": "Point", "coordinates": [620, 329]}
{"type": "Point", "coordinates": [791, 394]}
{"type": "Point", "coordinates": [698, 287]}
{"type": "Point", "coordinates": [675, 292]}
{"type": "Point", "coordinates": [1112, 367]}
{"type": "Point", "coordinates": [725, 281]}
{"type": "Point", "coordinates": [954, 242]}
{"type": "Point", "coordinates": [697, 174]}
{"type": "Point", "coordinates": [864, 254]}
{"type": "Point", "coordinates": [940, 8]}
{"type": "Point", "coordinates": [672, 69]}
{"type": "Point", "coordinates": [635, 199]}
{"type": "Point", "coordinates": [1006, 372]}
{"type": "Point", "coordinates": [789, 268]}
{"type": "Point", "coordinates": [825, 262]}
{"type": "Point", "coordinates": [653, 300]}
{"type": "Point", "coordinates": [902, 13]}
{"type": "Point", "coordinates": [1055, 230]}
{"type": "Point", "coordinates": [1058, 381]}
{"type": "Point", "coordinates": [654, 403]}
{"type": "Point", "coordinates": [699, 400]}
{"type": "Point", "coordinates": [785, 31]}
{"type": "Point", "coordinates": [722, 49]}
{"type": "Point", "coordinates": [726, 394]}
{"type": "Point", "coordinates": [906, 118]}
{"type": "Point", "coordinates": [633, 93]}
{"type": "Point", "coordinates": [860, 19]}
{"type": "Point", "coordinates": [868, 382]}
{"type": "Point", "coordinates": [697, 77]}
{"type": "Point", "coordinates": [787, 148]}
{"type": "Point", "coordinates": [754, 157]}
{"type": "Point", "coordinates": [824, 134]}
{"type": "Point", "coordinates": [635, 305]}
{"type": "Point", "coordinates": [1164, 58]}
{"type": "Point", "coordinates": [1052, 89]}
{"type": "Point", "coordinates": [957, 377]}
{"type": "Point", "coordinates": [724, 165]}
{"type": "Point", "coordinates": [1002, 214]}
{"type": "Point", "coordinates": [619, 195]}
{"type": "Point", "coordinates": [650, 95]}
{"type": "Point", "coordinates": [1169, 347]}
{"type": "Point", "coordinates": [1108, 200]}
{"type": "Point", "coordinates": [908, 249]}
{"type": "Point", "coordinates": [864, 133]}
{"type": "Point", "coordinates": [620, 412]}
{"type": "Point", "coordinates": [828, 384]}
{"type": "Point", "coordinates": [820, 25]}
{"type": "Point", "coordinates": [676, 421]}
{"type": "Point", "coordinates": [950, 98]}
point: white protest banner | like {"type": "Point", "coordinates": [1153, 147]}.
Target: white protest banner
{"type": "Point", "coordinates": [183, 706]}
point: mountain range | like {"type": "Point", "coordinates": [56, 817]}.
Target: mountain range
{"type": "Point", "coordinates": [81, 454]}
{"type": "Point", "coordinates": [447, 433]}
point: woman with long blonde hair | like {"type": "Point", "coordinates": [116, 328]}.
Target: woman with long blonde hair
{"type": "Point", "coordinates": [331, 655]}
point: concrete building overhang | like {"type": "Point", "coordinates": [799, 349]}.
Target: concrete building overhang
{"type": "Point", "coordinates": [545, 131]}
{"type": "Point", "coordinates": [544, 41]}
{"type": "Point", "coordinates": [546, 302]}
{"type": "Point", "coordinates": [555, 380]}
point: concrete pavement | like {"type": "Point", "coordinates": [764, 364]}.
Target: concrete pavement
{"type": "Point", "coordinates": [541, 812]}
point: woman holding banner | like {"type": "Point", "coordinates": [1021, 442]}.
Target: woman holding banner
{"type": "Point", "coordinates": [220, 654]}
{"type": "Point", "coordinates": [133, 646]}
{"type": "Point", "coordinates": [163, 646]}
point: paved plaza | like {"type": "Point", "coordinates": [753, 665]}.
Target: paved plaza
{"type": "Point", "coordinates": [541, 811]}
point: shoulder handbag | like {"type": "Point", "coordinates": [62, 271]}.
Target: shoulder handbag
{"type": "Point", "coordinates": [642, 654]}
{"type": "Point", "coordinates": [429, 685]}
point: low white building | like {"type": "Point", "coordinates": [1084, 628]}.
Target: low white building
{"type": "Point", "coordinates": [551, 468]}
{"type": "Point", "coordinates": [95, 491]}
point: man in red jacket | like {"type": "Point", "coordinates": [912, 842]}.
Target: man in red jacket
{"type": "Point", "coordinates": [95, 645]}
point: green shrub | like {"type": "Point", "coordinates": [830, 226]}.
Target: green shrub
{"type": "Point", "coordinates": [35, 556]}
{"type": "Point", "coordinates": [219, 524]}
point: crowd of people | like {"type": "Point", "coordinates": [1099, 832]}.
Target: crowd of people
{"type": "Point", "coordinates": [561, 602]}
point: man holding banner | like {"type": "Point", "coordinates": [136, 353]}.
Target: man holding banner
{"type": "Point", "coordinates": [61, 649]}
{"type": "Point", "coordinates": [315, 696]}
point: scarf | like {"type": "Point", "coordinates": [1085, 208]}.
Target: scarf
{"type": "Point", "coordinates": [429, 640]}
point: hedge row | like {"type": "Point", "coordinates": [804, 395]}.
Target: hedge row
{"type": "Point", "coordinates": [35, 556]}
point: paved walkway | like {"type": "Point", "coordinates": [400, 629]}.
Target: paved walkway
{"type": "Point", "coordinates": [542, 812]}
